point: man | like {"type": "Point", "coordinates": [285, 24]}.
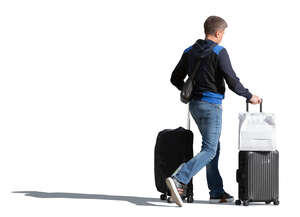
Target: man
{"type": "Point", "coordinates": [206, 107]}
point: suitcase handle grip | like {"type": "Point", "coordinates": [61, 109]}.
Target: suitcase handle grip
{"type": "Point", "coordinates": [247, 105]}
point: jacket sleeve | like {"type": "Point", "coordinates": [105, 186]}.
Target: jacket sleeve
{"type": "Point", "coordinates": [231, 79]}
{"type": "Point", "coordinates": [179, 73]}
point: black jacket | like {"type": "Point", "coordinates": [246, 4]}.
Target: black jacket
{"type": "Point", "coordinates": [214, 68]}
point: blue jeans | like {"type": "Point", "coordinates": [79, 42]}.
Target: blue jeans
{"type": "Point", "coordinates": [208, 118]}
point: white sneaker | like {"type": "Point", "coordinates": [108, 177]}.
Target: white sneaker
{"type": "Point", "coordinates": [173, 184]}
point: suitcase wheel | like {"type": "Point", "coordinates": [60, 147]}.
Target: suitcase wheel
{"type": "Point", "coordinates": [268, 202]}
{"type": "Point", "coordinates": [238, 202]}
{"type": "Point", "coordinates": [246, 202]}
{"type": "Point", "coordinates": [163, 196]}
{"type": "Point", "coordinates": [190, 199]}
{"type": "Point", "coordinates": [276, 202]}
{"type": "Point", "coordinates": [169, 200]}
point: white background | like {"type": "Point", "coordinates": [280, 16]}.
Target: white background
{"type": "Point", "coordinates": [85, 88]}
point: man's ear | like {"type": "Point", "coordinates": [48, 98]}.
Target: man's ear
{"type": "Point", "coordinates": [219, 33]}
{"type": "Point", "coordinates": [216, 34]}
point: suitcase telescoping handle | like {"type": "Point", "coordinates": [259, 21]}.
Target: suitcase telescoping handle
{"type": "Point", "coordinates": [260, 105]}
{"type": "Point", "coordinates": [188, 118]}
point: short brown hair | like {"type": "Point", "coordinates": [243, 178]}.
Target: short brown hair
{"type": "Point", "coordinates": [213, 24]}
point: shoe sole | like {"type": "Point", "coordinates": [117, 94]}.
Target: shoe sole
{"type": "Point", "coordinates": [221, 200]}
{"type": "Point", "coordinates": [174, 193]}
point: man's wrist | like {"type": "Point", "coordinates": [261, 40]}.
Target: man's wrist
{"type": "Point", "coordinates": [249, 96]}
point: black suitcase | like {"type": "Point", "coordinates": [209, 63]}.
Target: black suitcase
{"type": "Point", "coordinates": [173, 147]}
{"type": "Point", "coordinates": [258, 177]}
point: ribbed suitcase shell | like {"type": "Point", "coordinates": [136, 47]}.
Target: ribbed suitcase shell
{"type": "Point", "coordinates": [258, 176]}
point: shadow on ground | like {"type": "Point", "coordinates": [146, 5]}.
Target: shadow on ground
{"type": "Point", "coordinates": [140, 201]}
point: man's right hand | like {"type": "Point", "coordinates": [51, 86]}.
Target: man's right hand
{"type": "Point", "coordinates": [255, 100]}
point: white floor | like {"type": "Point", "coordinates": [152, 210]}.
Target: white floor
{"type": "Point", "coordinates": [75, 199]}
{"type": "Point", "coordinates": [41, 203]}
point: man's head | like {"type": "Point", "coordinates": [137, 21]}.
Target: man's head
{"type": "Point", "coordinates": [214, 28]}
